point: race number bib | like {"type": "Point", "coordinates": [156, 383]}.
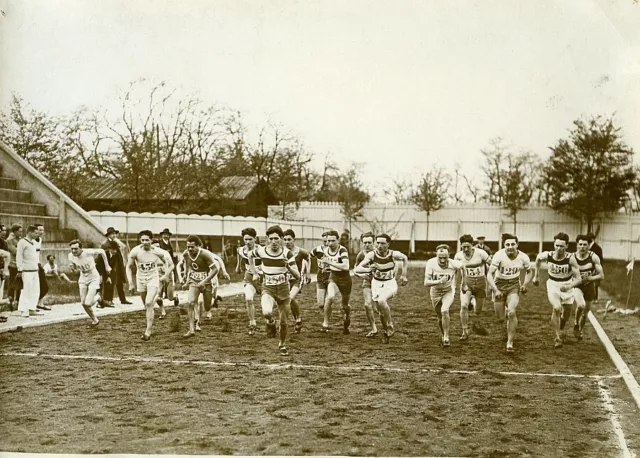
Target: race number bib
{"type": "Point", "coordinates": [585, 274]}
{"type": "Point", "coordinates": [147, 266]}
{"type": "Point", "coordinates": [558, 270]}
{"type": "Point", "coordinates": [197, 276]}
{"type": "Point", "coordinates": [84, 268]}
{"type": "Point", "coordinates": [510, 271]}
{"type": "Point", "coordinates": [388, 275]}
{"type": "Point", "coordinates": [475, 271]}
{"type": "Point", "coordinates": [273, 280]}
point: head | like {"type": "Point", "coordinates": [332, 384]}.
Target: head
{"type": "Point", "coordinates": [76, 247]}
{"type": "Point", "coordinates": [249, 235]}
{"type": "Point", "coordinates": [40, 228]}
{"type": "Point", "coordinates": [510, 244]}
{"type": "Point", "coordinates": [481, 239]}
{"type": "Point", "coordinates": [591, 236]}
{"type": "Point", "coordinates": [382, 243]}
{"type": "Point", "coordinates": [111, 233]}
{"type": "Point", "coordinates": [145, 238]}
{"type": "Point", "coordinates": [442, 253]}
{"type": "Point", "coordinates": [289, 239]}
{"type": "Point", "coordinates": [275, 236]}
{"type": "Point", "coordinates": [165, 234]}
{"type": "Point", "coordinates": [561, 243]}
{"type": "Point", "coordinates": [367, 239]}
{"type": "Point", "coordinates": [333, 239]}
{"type": "Point", "coordinates": [193, 244]}
{"type": "Point", "coordinates": [111, 247]}
{"type": "Point", "coordinates": [16, 230]}
{"type": "Point", "coordinates": [3, 231]}
{"type": "Point", "coordinates": [466, 244]}
{"type": "Point", "coordinates": [51, 259]}
{"type": "Point", "coordinates": [32, 232]}
{"type": "Point", "coordinates": [325, 242]}
{"type": "Point", "coordinates": [582, 243]}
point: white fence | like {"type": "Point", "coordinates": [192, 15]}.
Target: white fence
{"type": "Point", "coordinates": [619, 234]}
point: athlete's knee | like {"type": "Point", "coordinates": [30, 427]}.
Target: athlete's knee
{"type": "Point", "coordinates": [557, 309]}
{"type": "Point", "coordinates": [511, 314]}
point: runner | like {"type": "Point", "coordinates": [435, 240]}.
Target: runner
{"type": "Point", "coordinates": [83, 260]}
{"type": "Point", "coordinates": [276, 262]}
{"type": "Point", "coordinates": [215, 283]}
{"type": "Point", "coordinates": [304, 267]}
{"type": "Point", "coordinates": [367, 239]}
{"type": "Point", "coordinates": [200, 268]}
{"type": "Point", "coordinates": [504, 280]}
{"type": "Point", "coordinates": [440, 274]}
{"type": "Point", "coordinates": [381, 262]}
{"type": "Point", "coordinates": [591, 272]}
{"type": "Point", "coordinates": [475, 261]}
{"type": "Point", "coordinates": [251, 286]}
{"type": "Point", "coordinates": [166, 281]}
{"type": "Point", "coordinates": [336, 257]}
{"type": "Point", "coordinates": [145, 257]}
{"type": "Point", "coordinates": [564, 275]}
{"type": "Point", "coordinates": [324, 271]}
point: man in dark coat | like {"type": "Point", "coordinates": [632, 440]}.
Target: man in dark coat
{"type": "Point", "coordinates": [596, 249]}
{"type": "Point", "coordinates": [119, 276]}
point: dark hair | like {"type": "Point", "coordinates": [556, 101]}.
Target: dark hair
{"type": "Point", "coordinates": [38, 225]}
{"type": "Point", "coordinates": [194, 239]}
{"type": "Point", "coordinates": [290, 233]}
{"type": "Point", "coordinates": [506, 237]}
{"type": "Point", "coordinates": [443, 246]}
{"type": "Point", "coordinates": [590, 237]}
{"type": "Point", "coordinates": [466, 238]}
{"type": "Point", "coordinates": [31, 228]}
{"type": "Point", "coordinates": [561, 236]}
{"type": "Point", "coordinates": [324, 234]}
{"type": "Point", "coordinates": [146, 232]}
{"type": "Point", "coordinates": [384, 236]}
{"type": "Point", "coordinates": [333, 233]}
{"type": "Point", "coordinates": [50, 257]}
{"type": "Point", "coordinates": [16, 227]}
{"type": "Point", "coordinates": [367, 234]}
{"type": "Point", "coordinates": [74, 241]}
{"type": "Point", "coordinates": [249, 231]}
{"type": "Point", "coordinates": [275, 230]}
{"type": "Point", "coordinates": [582, 237]}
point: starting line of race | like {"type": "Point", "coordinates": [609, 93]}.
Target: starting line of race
{"type": "Point", "coordinates": [316, 367]}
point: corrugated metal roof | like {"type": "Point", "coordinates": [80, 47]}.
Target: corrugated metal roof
{"type": "Point", "coordinates": [235, 187]}
{"type": "Point", "coordinates": [238, 187]}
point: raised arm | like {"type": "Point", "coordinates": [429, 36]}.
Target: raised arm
{"type": "Point", "coordinates": [363, 266]}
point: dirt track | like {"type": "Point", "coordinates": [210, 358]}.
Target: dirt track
{"type": "Point", "coordinates": [133, 407]}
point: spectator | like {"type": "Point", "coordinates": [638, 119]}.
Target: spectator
{"type": "Point", "coordinates": [165, 244]}
{"type": "Point", "coordinates": [107, 279]}
{"type": "Point", "coordinates": [12, 244]}
{"type": "Point", "coordinates": [44, 287]}
{"type": "Point", "coordinates": [120, 275]}
{"type": "Point", "coordinates": [27, 266]}
{"type": "Point", "coordinates": [5, 259]}
{"type": "Point", "coordinates": [596, 249]}
{"type": "Point", "coordinates": [480, 244]}
{"type": "Point", "coordinates": [51, 270]}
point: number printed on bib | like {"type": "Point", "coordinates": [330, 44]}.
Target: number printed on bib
{"type": "Point", "coordinates": [147, 266]}
{"type": "Point", "coordinates": [198, 276]}
{"type": "Point", "coordinates": [387, 275]}
{"type": "Point", "coordinates": [475, 271]}
{"type": "Point", "coordinates": [272, 280]}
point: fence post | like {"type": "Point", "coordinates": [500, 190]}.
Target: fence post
{"type": "Point", "coordinates": [412, 238]}
{"type": "Point", "coordinates": [459, 233]}
{"type": "Point", "coordinates": [541, 236]}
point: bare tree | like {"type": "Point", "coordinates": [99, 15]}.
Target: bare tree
{"type": "Point", "coordinates": [431, 193]}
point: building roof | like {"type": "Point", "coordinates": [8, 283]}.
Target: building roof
{"type": "Point", "coordinates": [235, 187]}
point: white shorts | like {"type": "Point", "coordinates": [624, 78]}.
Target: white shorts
{"type": "Point", "coordinates": [144, 282]}
{"type": "Point", "coordinates": [383, 290]}
{"type": "Point", "coordinates": [554, 294]}
{"type": "Point", "coordinates": [91, 280]}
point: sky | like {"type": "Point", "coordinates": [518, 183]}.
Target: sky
{"type": "Point", "coordinates": [397, 86]}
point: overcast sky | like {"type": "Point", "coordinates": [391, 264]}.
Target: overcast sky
{"type": "Point", "coordinates": [400, 85]}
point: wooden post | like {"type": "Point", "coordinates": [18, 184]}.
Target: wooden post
{"type": "Point", "coordinates": [412, 237]}
{"type": "Point", "coordinates": [541, 236]}
{"type": "Point", "coordinates": [459, 233]}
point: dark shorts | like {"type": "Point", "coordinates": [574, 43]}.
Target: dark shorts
{"type": "Point", "coordinates": [342, 281]}
{"type": "Point", "coordinates": [588, 291]}
{"type": "Point", "coordinates": [508, 287]}
{"type": "Point", "coordinates": [280, 293]}
{"type": "Point", "coordinates": [478, 288]}
{"type": "Point", "coordinates": [299, 283]}
{"type": "Point", "coordinates": [323, 279]}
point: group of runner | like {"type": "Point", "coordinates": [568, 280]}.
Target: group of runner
{"type": "Point", "coordinates": [279, 270]}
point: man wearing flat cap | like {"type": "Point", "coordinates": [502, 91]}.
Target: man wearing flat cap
{"type": "Point", "coordinates": [480, 244]}
{"type": "Point", "coordinates": [119, 275]}
{"type": "Point", "coordinates": [165, 244]}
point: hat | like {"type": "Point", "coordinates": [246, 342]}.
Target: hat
{"type": "Point", "coordinates": [110, 230]}
{"type": "Point", "coordinates": [481, 237]}
{"type": "Point", "coordinates": [166, 231]}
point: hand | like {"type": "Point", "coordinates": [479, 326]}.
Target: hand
{"type": "Point", "coordinates": [403, 281]}
{"type": "Point", "coordinates": [132, 289]}
{"type": "Point", "coordinates": [108, 269]}
{"type": "Point", "coordinates": [185, 286]}
{"type": "Point", "coordinates": [237, 270]}
{"type": "Point", "coordinates": [464, 289]}
{"type": "Point", "coordinates": [443, 280]}
{"type": "Point", "coordinates": [200, 284]}
{"type": "Point", "coordinates": [307, 278]}
{"type": "Point", "coordinates": [565, 288]}
{"type": "Point", "coordinates": [535, 281]}
{"type": "Point", "coordinates": [226, 276]}
{"type": "Point", "coordinates": [19, 275]}
{"type": "Point", "coordinates": [497, 293]}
